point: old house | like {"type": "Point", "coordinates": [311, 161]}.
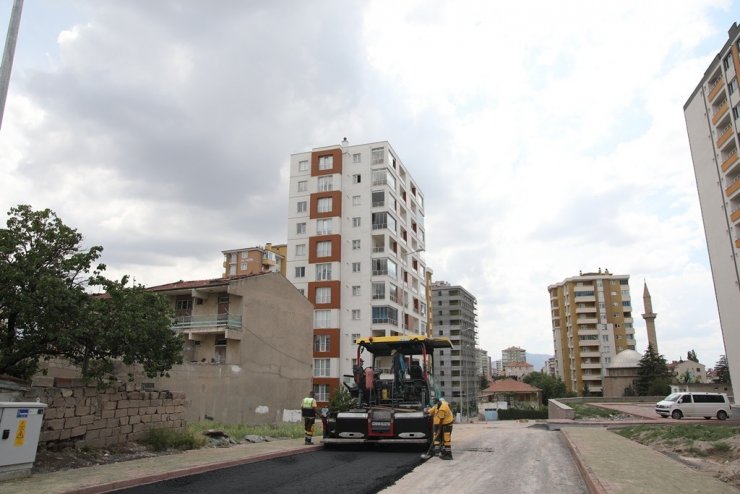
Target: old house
{"type": "Point", "coordinates": [247, 348]}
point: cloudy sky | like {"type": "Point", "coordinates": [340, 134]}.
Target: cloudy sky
{"type": "Point", "coordinates": [548, 137]}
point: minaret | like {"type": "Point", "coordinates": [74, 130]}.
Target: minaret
{"type": "Point", "coordinates": [649, 317]}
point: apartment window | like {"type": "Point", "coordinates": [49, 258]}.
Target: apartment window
{"type": "Point", "coordinates": [321, 343]}
{"type": "Point", "coordinates": [323, 272]}
{"type": "Point", "coordinates": [385, 315]}
{"type": "Point", "coordinates": [605, 337]}
{"type": "Point", "coordinates": [378, 198]}
{"type": "Point", "coordinates": [321, 318]}
{"type": "Point", "coordinates": [302, 186]}
{"type": "Point", "coordinates": [355, 314]}
{"type": "Point", "coordinates": [184, 304]}
{"type": "Point", "coordinates": [324, 205]}
{"type": "Point", "coordinates": [300, 271]}
{"type": "Point", "coordinates": [300, 249]}
{"type": "Point", "coordinates": [355, 245]}
{"type": "Point", "coordinates": [378, 291]}
{"type": "Point", "coordinates": [326, 162]}
{"type": "Point", "coordinates": [736, 111]}
{"type": "Point", "coordinates": [303, 166]}
{"type": "Point", "coordinates": [356, 158]}
{"type": "Point", "coordinates": [356, 178]}
{"type": "Point", "coordinates": [355, 267]}
{"type": "Point", "coordinates": [323, 249]}
{"type": "Point", "coordinates": [355, 337]}
{"type": "Point", "coordinates": [321, 392]}
{"type": "Point", "coordinates": [323, 227]}
{"type": "Point", "coordinates": [323, 295]}
{"type": "Point", "coordinates": [732, 87]}
{"type": "Point", "coordinates": [302, 206]}
{"type": "Point", "coordinates": [300, 228]}
{"type": "Point", "coordinates": [243, 266]}
{"type": "Point", "coordinates": [727, 62]}
{"type": "Point", "coordinates": [355, 200]}
{"type": "Point", "coordinates": [325, 183]}
{"type": "Point", "coordinates": [356, 221]}
{"type": "Point", "coordinates": [377, 155]}
{"type": "Point", "coordinates": [356, 291]}
{"type": "Point", "coordinates": [321, 367]}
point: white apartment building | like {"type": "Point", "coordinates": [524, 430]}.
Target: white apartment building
{"type": "Point", "coordinates": [712, 112]}
{"type": "Point", "coordinates": [513, 354]}
{"type": "Point", "coordinates": [355, 238]}
{"type": "Point", "coordinates": [591, 323]}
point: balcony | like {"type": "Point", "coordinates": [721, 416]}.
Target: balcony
{"type": "Point", "coordinates": [724, 107]}
{"type": "Point", "coordinates": [715, 89]}
{"type": "Point", "coordinates": [737, 243]}
{"type": "Point", "coordinates": [229, 324]}
{"type": "Point", "coordinates": [731, 189]}
{"type": "Point", "coordinates": [724, 136]}
{"type": "Point", "coordinates": [731, 161]}
{"type": "Point", "coordinates": [735, 216]}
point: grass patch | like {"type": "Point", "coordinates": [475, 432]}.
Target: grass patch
{"type": "Point", "coordinates": [694, 451]}
{"type": "Point", "coordinates": [721, 448]}
{"type": "Point", "coordinates": [647, 434]}
{"type": "Point", "coordinates": [587, 411]}
{"type": "Point", "coordinates": [164, 439]}
{"type": "Point", "coordinates": [238, 431]}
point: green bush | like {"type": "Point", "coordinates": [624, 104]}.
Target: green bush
{"type": "Point", "coordinates": [522, 413]}
{"type": "Point", "coordinates": [164, 439]}
{"type": "Point", "coordinates": [238, 431]}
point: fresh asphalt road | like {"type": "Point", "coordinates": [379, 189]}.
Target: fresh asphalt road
{"type": "Point", "coordinates": [345, 470]}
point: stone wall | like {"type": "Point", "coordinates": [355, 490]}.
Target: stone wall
{"type": "Point", "coordinates": [88, 416]}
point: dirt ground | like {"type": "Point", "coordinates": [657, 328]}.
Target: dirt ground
{"type": "Point", "coordinates": [52, 460]}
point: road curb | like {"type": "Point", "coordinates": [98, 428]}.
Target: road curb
{"type": "Point", "coordinates": [593, 484]}
{"type": "Point", "coordinates": [184, 472]}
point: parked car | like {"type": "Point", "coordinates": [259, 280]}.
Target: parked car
{"type": "Point", "coordinates": [707, 405]}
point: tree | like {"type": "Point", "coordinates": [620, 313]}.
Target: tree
{"type": "Point", "coordinates": [692, 356]}
{"type": "Point", "coordinates": [653, 376]}
{"type": "Point", "coordinates": [551, 387]}
{"type": "Point", "coordinates": [340, 400]}
{"type": "Point", "coordinates": [47, 310]}
{"type": "Point", "coordinates": [722, 371]}
{"type": "Point", "coordinates": [483, 384]}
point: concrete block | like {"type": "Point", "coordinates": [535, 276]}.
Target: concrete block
{"type": "Point", "coordinates": [71, 422]}
{"type": "Point", "coordinates": [82, 410]}
{"type": "Point", "coordinates": [136, 419]}
{"type": "Point", "coordinates": [79, 431]}
{"type": "Point", "coordinates": [69, 412]}
{"type": "Point", "coordinates": [138, 427]}
{"type": "Point", "coordinates": [92, 434]}
{"type": "Point", "coordinates": [112, 422]}
{"type": "Point", "coordinates": [134, 395]}
{"type": "Point", "coordinates": [50, 436]}
{"type": "Point", "coordinates": [121, 412]}
{"type": "Point", "coordinates": [54, 425]}
{"type": "Point", "coordinates": [122, 404]}
{"type": "Point", "coordinates": [87, 419]}
{"type": "Point", "coordinates": [64, 434]}
{"type": "Point", "coordinates": [156, 403]}
{"type": "Point", "coordinates": [97, 424]}
{"type": "Point", "coordinates": [106, 414]}
{"type": "Point", "coordinates": [132, 411]}
{"type": "Point", "coordinates": [107, 432]}
{"type": "Point", "coordinates": [109, 405]}
{"type": "Point", "coordinates": [123, 421]}
{"type": "Point", "coordinates": [67, 393]}
{"type": "Point", "coordinates": [147, 419]}
{"type": "Point", "coordinates": [43, 381]}
{"type": "Point", "coordinates": [125, 429]}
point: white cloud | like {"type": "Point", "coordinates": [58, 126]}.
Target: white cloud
{"type": "Point", "coordinates": [547, 138]}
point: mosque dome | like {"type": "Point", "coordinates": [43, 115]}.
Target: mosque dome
{"type": "Point", "coordinates": [625, 359]}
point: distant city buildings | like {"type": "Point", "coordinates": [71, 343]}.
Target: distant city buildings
{"type": "Point", "coordinates": [355, 237]}
{"type": "Point", "coordinates": [591, 323]}
{"type": "Point", "coordinates": [455, 318]}
{"type": "Point", "coordinates": [513, 354]}
{"type": "Point", "coordinates": [484, 363]}
{"type": "Point", "coordinates": [712, 112]}
{"type": "Point", "coordinates": [518, 370]}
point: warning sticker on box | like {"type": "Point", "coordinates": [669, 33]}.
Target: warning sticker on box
{"type": "Point", "coordinates": [20, 434]}
{"type": "Point", "coordinates": [22, 413]}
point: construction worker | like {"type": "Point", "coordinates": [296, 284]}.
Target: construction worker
{"type": "Point", "coordinates": [309, 410]}
{"type": "Point", "coordinates": [442, 430]}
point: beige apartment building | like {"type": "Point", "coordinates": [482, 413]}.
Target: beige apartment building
{"type": "Point", "coordinates": [591, 323]}
{"type": "Point", "coordinates": [712, 112]}
{"type": "Point", "coordinates": [254, 260]}
{"type": "Point", "coordinates": [247, 348]}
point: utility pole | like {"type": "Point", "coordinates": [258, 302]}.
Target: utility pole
{"type": "Point", "coordinates": [8, 54]}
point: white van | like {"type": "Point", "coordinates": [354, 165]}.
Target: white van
{"type": "Point", "coordinates": [707, 405]}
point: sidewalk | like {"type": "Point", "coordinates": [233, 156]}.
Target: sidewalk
{"type": "Point", "coordinates": [105, 478]}
{"type": "Point", "coordinates": [613, 464]}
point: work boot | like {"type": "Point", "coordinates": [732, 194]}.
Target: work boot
{"type": "Point", "coordinates": [308, 441]}
{"type": "Point", "coordinates": [446, 454]}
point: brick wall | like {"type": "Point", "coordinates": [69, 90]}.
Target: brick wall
{"type": "Point", "coordinates": [88, 416]}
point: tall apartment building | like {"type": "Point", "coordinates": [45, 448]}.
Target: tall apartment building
{"type": "Point", "coordinates": [712, 112]}
{"type": "Point", "coordinates": [591, 324]}
{"type": "Point", "coordinates": [355, 237]}
{"type": "Point", "coordinates": [484, 362]}
{"type": "Point", "coordinates": [513, 354]}
{"type": "Point", "coordinates": [455, 317]}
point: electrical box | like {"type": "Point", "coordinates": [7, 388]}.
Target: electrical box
{"type": "Point", "coordinates": [20, 428]}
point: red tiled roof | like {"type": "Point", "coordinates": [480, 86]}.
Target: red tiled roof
{"type": "Point", "coordinates": [179, 285]}
{"type": "Point", "coordinates": [508, 386]}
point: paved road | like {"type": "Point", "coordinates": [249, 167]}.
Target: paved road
{"type": "Point", "coordinates": [505, 456]}
{"type": "Point", "coordinates": [345, 471]}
